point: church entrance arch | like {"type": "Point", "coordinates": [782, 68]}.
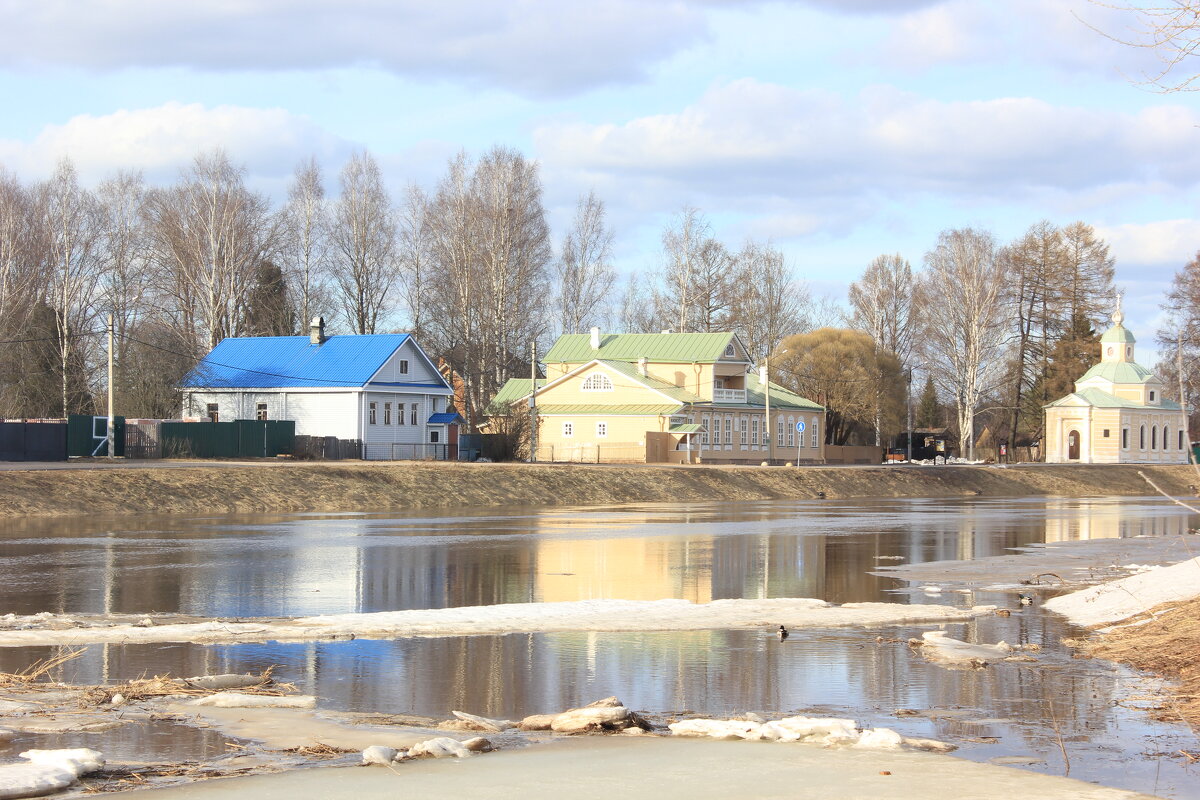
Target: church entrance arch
{"type": "Point", "coordinates": [1073, 446]}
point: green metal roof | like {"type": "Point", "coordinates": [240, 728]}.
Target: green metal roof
{"type": "Point", "coordinates": [686, 429]}
{"type": "Point", "coordinates": [1118, 333]}
{"type": "Point", "coordinates": [669, 389]}
{"type": "Point", "coordinates": [1119, 372]}
{"type": "Point", "coordinates": [513, 390]}
{"type": "Point", "coordinates": [780, 397]}
{"type": "Point", "coordinates": [576, 348]}
{"type": "Point", "coordinates": [599, 409]}
{"type": "Point", "coordinates": [1098, 398]}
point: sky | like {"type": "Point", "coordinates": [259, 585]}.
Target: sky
{"type": "Point", "coordinates": [838, 129]}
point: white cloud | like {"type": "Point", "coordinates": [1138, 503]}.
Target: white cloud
{"type": "Point", "coordinates": [535, 46]}
{"type": "Point", "coordinates": [161, 140]}
{"type": "Point", "coordinates": [749, 145]}
{"type": "Point", "coordinates": [1169, 243]}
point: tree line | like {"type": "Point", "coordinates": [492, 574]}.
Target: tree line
{"type": "Point", "coordinates": [987, 329]}
{"type": "Point", "coordinates": [469, 266]}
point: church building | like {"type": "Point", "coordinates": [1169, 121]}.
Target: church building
{"type": "Point", "coordinates": [1117, 413]}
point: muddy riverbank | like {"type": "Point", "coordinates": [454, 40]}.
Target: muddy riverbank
{"type": "Point", "coordinates": [300, 487]}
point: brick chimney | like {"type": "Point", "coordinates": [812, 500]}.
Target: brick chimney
{"type": "Point", "coordinates": [595, 338]}
{"type": "Point", "coordinates": [316, 330]}
{"type": "Point", "coordinates": [642, 366]}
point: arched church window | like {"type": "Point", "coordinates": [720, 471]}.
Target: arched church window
{"type": "Point", "coordinates": [1142, 438]}
{"type": "Point", "coordinates": [1153, 437]}
{"type": "Point", "coordinates": [1181, 440]}
{"type": "Point", "coordinates": [1124, 438]}
{"type": "Point", "coordinates": [1166, 436]}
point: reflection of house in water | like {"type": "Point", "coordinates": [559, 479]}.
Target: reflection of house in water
{"type": "Point", "coordinates": [1079, 520]}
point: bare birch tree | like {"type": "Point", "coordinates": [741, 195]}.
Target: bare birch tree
{"type": "Point", "coordinates": [683, 241]}
{"type": "Point", "coordinates": [125, 265]}
{"type": "Point", "coordinates": [1171, 30]}
{"type": "Point", "coordinates": [363, 235]}
{"type": "Point", "coordinates": [304, 251]}
{"type": "Point", "coordinates": [415, 258]}
{"type": "Point", "coordinates": [71, 217]}
{"type": "Point", "coordinates": [962, 289]}
{"type": "Point", "coordinates": [767, 303]}
{"type": "Point", "coordinates": [583, 270]}
{"type": "Point", "coordinates": [207, 234]}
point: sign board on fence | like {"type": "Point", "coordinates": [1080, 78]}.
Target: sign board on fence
{"type": "Point", "coordinates": [800, 427]}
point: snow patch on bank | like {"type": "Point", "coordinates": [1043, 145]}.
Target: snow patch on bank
{"type": "Point", "coordinates": [1121, 599]}
{"type": "Point", "coordinates": [829, 732]}
{"type": "Point", "coordinates": [48, 771]}
{"type": "Point", "coordinates": [583, 615]}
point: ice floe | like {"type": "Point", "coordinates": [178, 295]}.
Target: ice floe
{"type": "Point", "coordinates": [829, 732]}
{"type": "Point", "coordinates": [582, 615]}
{"type": "Point", "coordinates": [243, 700]}
{"type": "Point", "coordinates": [1121, 599]}
{"type": "Point", "coordinates": [48, 771]}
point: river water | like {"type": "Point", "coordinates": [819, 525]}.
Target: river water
{"type": "Point", "coordinates": [1057, 712]}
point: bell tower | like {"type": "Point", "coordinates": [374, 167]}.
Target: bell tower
{"type": "Point", "coordinates": [1116, 345]}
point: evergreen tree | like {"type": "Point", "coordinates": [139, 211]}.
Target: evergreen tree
{"type": "Point", "coordinates": [269, 309]}
{"type": "Point", "coordinates": [1074, 354]}
{"type": "Point", "coordinates": [929, 411]}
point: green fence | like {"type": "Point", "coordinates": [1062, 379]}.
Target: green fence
{"type": "Point", "coordinates": [243, 438]}
{"type": "Point", "coordinates": [88, 436]}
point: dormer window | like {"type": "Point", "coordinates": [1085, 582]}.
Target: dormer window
{"type": "Point", "coordinates": [597, 383]}
{"type": "Point", "coordinates": [730, 352]}
{"type": "Point", "coordinates": [1151, 395]}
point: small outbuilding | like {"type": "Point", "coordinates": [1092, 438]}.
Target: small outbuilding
{"type": "Point", "coordinates": [381, 389]}
{"type": "Point", "coordinates": [1117, 413]}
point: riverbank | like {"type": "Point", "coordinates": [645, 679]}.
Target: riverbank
{"type": "Point", "coordinates": [180, 488]}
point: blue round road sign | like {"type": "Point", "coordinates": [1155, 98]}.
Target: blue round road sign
{"type": "Point", "coordinates": [800, 427]}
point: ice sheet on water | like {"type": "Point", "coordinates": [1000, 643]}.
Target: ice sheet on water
{"type": "Point", "coordinates": [1120, 599]}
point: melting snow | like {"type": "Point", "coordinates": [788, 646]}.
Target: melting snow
{"type": "Point", "coordinates": [583, 615]}
{"type": "Point", "coordinates": [1120, 599]}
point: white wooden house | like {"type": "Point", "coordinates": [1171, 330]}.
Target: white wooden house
{"type": "Point", "coordinates": [381, 389]}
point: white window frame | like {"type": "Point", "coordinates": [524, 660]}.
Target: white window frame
{"type": "Point", "coordinates": [601, 429]}
{"type": "Point", "coordinates": [743, 432]}
{"type": "Point", "coordinates": [754, 431]}
{"type": "Point", "coordinates": [387, 413]}
{"type": "Point", "coordinates": [260, 412]}
{"type": "Point", "coordinates": [779, 433]}
{"type": "Point", "coordinates": [704, 430]}
{"type": "Point", "coordinates": [415, 406]}
{"type": "Point", "coordinates": [596, 382]}
{"type": "Point", "coordinates": [372, 410]}
{"type": "Point", "coordinates": [404, 366]}
{"type": "Point", "coordinates": [728, 439]}
{"type": "Point", "coordinates": [568, 430]}
{"type": "Point", "coordinates": [791, 432]}
{"type": "Point", "coordinates": [815, 428]}
{"type": "Point", "coordinates": [730, 350]}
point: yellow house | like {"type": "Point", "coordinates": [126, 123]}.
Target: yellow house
{"type": "Point", "coordinates": [663, 397]}
{"type": "Point", "coordinates": [1117, 413]}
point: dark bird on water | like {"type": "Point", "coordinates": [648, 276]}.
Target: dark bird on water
{"type": "Point", "coordinates": [783, 634]}
{"type": "Point", "coordinates": [1026, 599]}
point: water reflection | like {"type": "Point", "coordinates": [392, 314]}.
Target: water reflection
{"type": "Point", "coordinates": [310, 564]}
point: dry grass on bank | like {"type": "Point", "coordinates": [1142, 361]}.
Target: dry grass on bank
{"type": "Point", "coordinates": [1167, 645]}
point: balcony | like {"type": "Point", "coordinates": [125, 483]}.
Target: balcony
{"type": "Point", "coordinates": [729, 395]}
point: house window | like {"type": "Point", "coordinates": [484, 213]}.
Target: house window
{"type": "Point", "coordinates": [729, 430]}
{"type": "Point", "coordinates": [597, 382]}
{"type": "Point", "coordinates": [1151, 395]}
{"type": "Point", "coordinates": [602, 429]}
{"type": "Point", "coordinates": [403, 366]}
{"type": "Point", "coordinates": [704, 430]}
{"type": "Point", "coordinates": [1124, 438]}
{"type": "Point", "coordinates": [371, 412]}
{"type": "Point", "coordinates": [433, 405]}
{"type": "Point", "coordinates": [779, 432]}
{"type": "Point", "coordinates": [730, 352]}
{"type": "Point", "coordinates": [413, 416]}
{"type": "Point", "coordinates": [744, 430]}
{"type": "Point", "coordinates": [260, 411]}
{"type": "Point", "coordinates": [754, 431]}
{"type": "Point", "coordinates": [816, 442]}
{"type": "Point", "coordinates": [213, 414]}
{"type": "Point", "coordinates": [791, 430]}
{"type": "Point", "coordinates": [568, 429]}
{"type": "Point", "coordinates": [433, 437]}
{"type": "Point", "coordinates": [1181, 440]}
{"type": "Point", "coordinates": [1105, 433]}
{"type": "Point", "coordinates": [1153, 437]}
{"type": "Point", "coordinates": [387, 413]}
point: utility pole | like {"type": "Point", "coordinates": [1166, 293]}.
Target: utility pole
{"type": "Point", "coordinates": [533, 421]}
{"type": "Point", "coordinates": [111, 433]}
{"type": "Point", "coordinates": [908, 400]}
{"type": "Point", "coordinates": [767, 404]}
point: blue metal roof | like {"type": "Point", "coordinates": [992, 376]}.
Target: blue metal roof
{"type": "Point", "coordinates": [444, 418]}
{"type": "Point", "coordinates": [284, 361]}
